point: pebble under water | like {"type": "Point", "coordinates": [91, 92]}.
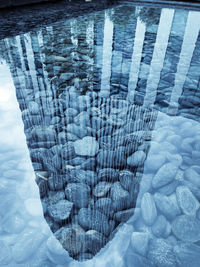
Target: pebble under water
{"type": "Point", "coordinates": [100, 141]}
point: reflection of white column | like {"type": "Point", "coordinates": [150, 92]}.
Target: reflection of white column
{"type": "Point", "coordinates": [19, 48]}
{"type": "Point", "coordinates": [30, 58]}
{"type": "Point", "coordinates": [90, 33]}
{"type": "Point", "coordinates": [42, 56]}
{"type": "Point", "coordinates": [159, 52]}
{"type": "Point", "coordinates": [73, 29]}
{"type": "Point", "coordinates": [136, 58]}
{"type": "Point", "coordinates": [187, 49]}
{"type": "Point", "coordinates": [17, 73]}
{"type": "Point", "coordinates": [107, 56]}
{"type": "Point", "coordinates": [90, 43]}
{"type": "Point", "coordinates": [21, 73]}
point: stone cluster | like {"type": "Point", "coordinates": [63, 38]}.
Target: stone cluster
{"type": "Point", "coordinates": [88, 154]}
{"type": "Point", "coordinates": [167, 225]}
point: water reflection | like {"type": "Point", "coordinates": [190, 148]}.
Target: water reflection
{"type": "Point", "coordinates": [89, 90]}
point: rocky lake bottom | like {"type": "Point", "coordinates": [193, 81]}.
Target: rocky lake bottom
{"type": "Point", "coordinates": [100, 156]}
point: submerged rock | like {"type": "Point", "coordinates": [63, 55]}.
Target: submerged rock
{"type": "Point", "coordinates": [78, 193]}
{"type": "Point", "coordinates": [72, 239]}
{"type": "Point", "coordinates": [191, 175]}
{"type": "Point", "coordinates": [187, 201]}
{"type": "Point", "coordinates": [101, 189]}
{"type": "Point", "coordinates": [148, 209]}
{"type": "Point", "coordinates": [124, 215]}
{"type": "Point", "coordinates": [139, 242]}
{"type": "Point", "coordinates": [104, 205]}
{"type": "Point", "coordinates": [166, 206]}
{"type": "Point", "coordinates": [94, 241]}
{"type": "Point", "coordinates": [161, 253]}
{"type": "Point", "coordinates": [127, 179]}
{"type": "Point", "coordinates": [87, 146]}
{"type": "Point", "coordinates": [186, 228]}
{"type": "Point", "coordinates": [164, 175]}
{"type": "Point", "coordinates": [159, 227]}
{"type": "Point", "coordinates": [187, 254]}
{"type": "Point", "coordinates": [136, 159]}
{"type": "Point", "coordinates": [93, 220]}
{"type": "Point", "coordinates": [108, 174]}
{"type": "Point", "coordinates": [121, 198]}
{"type": "Point", "coordinates": [60, 211]}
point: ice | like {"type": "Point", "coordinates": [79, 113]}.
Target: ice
{"type": "Point", "coordinates": [7, 186]}
{"type": "Point", "coordinates": [139, 242]}
{"type": "Point", "coordinates": [134, 260]}
{"type": "Point", "coordinates": [14, 224]}
{"type": "Point", "coordinates": [33, 206]}
{"type": "Point", "coordinates": [13, 174]}
{"type": "Point", "coordinates": [5, 255]}
{"type": "Point", "coordinates": [29, 241]}
{"type": "Point", "coordinates": [55, 251]}
{"type": "Point", "coordinates": [7, 204]}
{"type": "Point", "coordinates": [114, 251]}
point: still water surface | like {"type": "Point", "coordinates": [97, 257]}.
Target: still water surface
{"type": "Point", "coordinates": [110, 107]}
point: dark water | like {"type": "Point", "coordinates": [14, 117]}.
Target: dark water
{"type": "Point", "coordinates": [110, 107]}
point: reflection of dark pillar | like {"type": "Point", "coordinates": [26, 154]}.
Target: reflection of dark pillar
{"type": "Point", "coordinates": [189, 102]}
{"type": "Point", "coordinates": [124, 33]}
{"type": "Point", "coordinates": [167, 76]}
{"type": "Point", "coordinates": [99, 20]}
{"type": "Point", "coordinates": [147, 53]}
{"type": "Point", "coordinates": [26, 65]}
{"type": "Point", "coordinates": [37, 60]}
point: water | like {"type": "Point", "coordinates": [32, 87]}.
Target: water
{"type": "Point", "coordinates": [102, 113]}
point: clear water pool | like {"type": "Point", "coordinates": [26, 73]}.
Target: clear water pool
{"type": "Point", "coordinates": [100, 141]}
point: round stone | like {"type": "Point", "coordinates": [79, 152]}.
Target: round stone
{"type": "Point", "coordinates": [186, 228]}
{"type": "Point", "coordinates": [101, 189]}
{"type": "Point", "coordinates": [108, 174]}
{"type": "Point", "coordinates": [136, 159]}
{"type": "Point", "coordinates": [187, 201]}
{"type": "Point", "coordinates": [71, 239]}
{"type": "Point", "coordinates": [78, 193]}
{"type": "Point", "coordinates": [164, 175]}
{"type": "Point", "coordinates": [87, 146]}
{"type": "Point", "coordinates": [139, 242]}
{"type": "Point", "coordinates": [161, 253]}
{"type": "Point", "coordinates": [148, 209]}
{"type": "Point", "coordinates": [93, 220]}
{"type": "Point", "coordinates": [33, 108]}
{"type": "Point", "coordinates": [60, 211]}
